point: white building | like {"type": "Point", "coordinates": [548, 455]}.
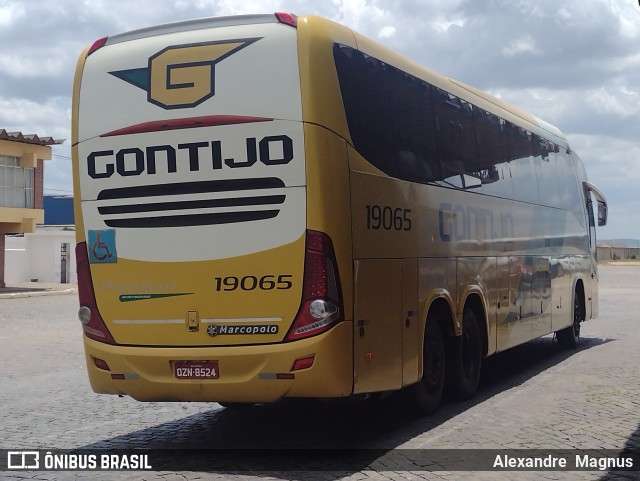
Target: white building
{"type": "Point", "coordinates": [47, 255]}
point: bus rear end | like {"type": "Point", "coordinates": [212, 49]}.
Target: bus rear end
{"type": "Point", "coordinates": [199, 279]}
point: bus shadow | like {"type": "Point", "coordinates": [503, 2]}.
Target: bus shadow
{"type": "Point", "coordinates": [631, 450]}
{"type": "Point", "coordinates": [293, 426]}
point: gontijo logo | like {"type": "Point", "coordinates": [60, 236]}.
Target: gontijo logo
{"type": "Point", "coordinates": [182, 76]}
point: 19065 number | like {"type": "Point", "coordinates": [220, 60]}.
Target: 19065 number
{"type": "Point", "coordinates": [388, 218]}
{"type": "Point", "coordinates": [250, 283]}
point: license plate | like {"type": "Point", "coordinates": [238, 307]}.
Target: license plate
{"type": "Point", "coordinates": [196, 369]}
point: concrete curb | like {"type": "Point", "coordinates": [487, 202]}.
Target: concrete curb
{"type": "Point", "coordinates": [21, 295]}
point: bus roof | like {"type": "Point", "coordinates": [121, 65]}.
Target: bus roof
{"type": "Point", "coordinates": [194, 24]}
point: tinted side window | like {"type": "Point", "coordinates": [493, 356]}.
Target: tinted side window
{"type": "Point", "coordinates": [492, 156]}
{"type": "Point", "coordinates": [457, 149]}
{"type": "Point", "coordinates": [546, 172]}
{"type": "Point", "coordinates": [521, 164]}
{"type": "Point", "coordinates": [413, 128]}
{"type": "Point", "coordinates": [366, 93]}
{"type": "Point", "coordinates": [570, 196]}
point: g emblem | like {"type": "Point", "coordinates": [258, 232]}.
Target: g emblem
{"type": "Point", "coordinates": [182, 76]}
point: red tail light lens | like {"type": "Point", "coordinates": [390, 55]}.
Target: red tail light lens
{"type": "Point", "coordinates": [101, 364]}
{"type": "Point", "coordinates": [92, 323]}
{"type": "Point", "coordinates": [287, 18]}
{"type": "Point", "coordinates": [303, 363]}
{"type": "Point", "coordinates": [321, 306]}
{"type": "Point", "coordinates": [97, 45]}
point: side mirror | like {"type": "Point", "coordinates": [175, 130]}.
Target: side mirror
{"type": "Point", "coordinates": [602, 202]}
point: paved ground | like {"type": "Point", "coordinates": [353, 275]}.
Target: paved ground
{"type": "Point", "coordinates": [35, 289]}
{"type": "Point", "coordinates": [536, 396]}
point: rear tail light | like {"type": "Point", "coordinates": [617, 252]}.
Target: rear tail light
{"type": "Point", "coordinates": [287, 18]}
{"type": "Point", "coordinates": [101, 364]}
{"type": "Point", "coordinates": [97, 44]}
{"type": "Point", "coordinates": [303, 363]}
{"type": "Point", "coordinates": [321, 306]}
{"type": "Point", "coordinates": [92, 323]}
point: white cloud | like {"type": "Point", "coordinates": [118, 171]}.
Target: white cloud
{"type": "Point", "coordinates": [524, 44]}
{"type": "Point", "coordinates": [602, 101]}
{"type": "Point", "coordinates": [387, 32]}
{"type": "Point", "coordinates": [10, 13]}
{"type": "Point", "coordinates": [442, 24]}
{"type": "Point", "coordinates": [21, 65]}
{"type": "Point", "coordinates": [46, 120]}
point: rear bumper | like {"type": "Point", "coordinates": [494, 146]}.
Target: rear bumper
{"type": "Point", "coordinates": [246, 373]}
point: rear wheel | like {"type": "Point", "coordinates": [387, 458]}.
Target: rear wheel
{"type": "Point", "coordinates": [466, 359]}
{"type": "Point", "coordinates": [426, 395]}
{"type": "Point", "coordinates": [569, 337]}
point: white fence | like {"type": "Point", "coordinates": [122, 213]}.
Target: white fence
{"type": "Point", "coordinates": [48, 255]}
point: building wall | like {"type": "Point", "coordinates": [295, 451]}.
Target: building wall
{"type": "Point", "coordinates": [2, 259]}
{"type": "Point", "coordinates": [58, 210]}
{"type": "Point", "coordinates": [17, 261]}
{"type": "Point", "coordinates": [609, 253]}
{"type": "Point", "coordinates": [22, 152]}
{"type": "Point", "coordinates": [38, 256]}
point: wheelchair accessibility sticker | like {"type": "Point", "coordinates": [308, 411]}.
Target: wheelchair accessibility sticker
{"type": "Point", "coordinates": [102, 246]}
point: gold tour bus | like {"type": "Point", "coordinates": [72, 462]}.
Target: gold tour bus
{"type": "Point", "coordinates": [272, 206]}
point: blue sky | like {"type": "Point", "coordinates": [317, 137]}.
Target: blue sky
{"type": "Point", "coordinates": [575, 64]}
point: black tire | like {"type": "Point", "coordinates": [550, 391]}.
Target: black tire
{"type": "Point", "coordinates": [569, 337]}
{"type": "Point", "coordinates": [426, 395]}
{"type": "Point", "coordinates": [465, 359]}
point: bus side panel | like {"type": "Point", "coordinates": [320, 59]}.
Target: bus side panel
{"type": "Point", "coordinates": [517, 327]}
{"type": "Point", "coordinates": [594, 290]}
{"type": "Point", "coordinates": [411, 342]}
{"type": "Point", "coordinates": [563, 272]}
{"type": "Point", "coordinates": [329, 200]}
{"type": "Point", "coordinates": [387, 222]}
{"type": "Point", "coordinates": [436, 280]}
{"type": "Point", "coordinates": [478, 276]}
{"type": "Point", "coordinates": [387, 344]}
{"type": "Point", "coordinates": [589, 281]}
{"type": "Point", "coordinates": [321, 98]}
{"type": "Point", "coordinates": [541, 296]}
{"type": "Point", "coordinates": [328, 207]}
{"type": "Point", "coordinates": [502, 306]}
{"type": "Point", "coordinates": [378, 325]}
